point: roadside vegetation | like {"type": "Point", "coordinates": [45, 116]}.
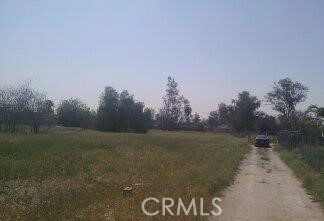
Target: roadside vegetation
{"type": "Point", "coordinates": [312, 179]}
{"type": "Point", "coordinates": [75, 174]}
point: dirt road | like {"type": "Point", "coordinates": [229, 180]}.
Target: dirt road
{"type": "Point", "coordinates": [266, 189]}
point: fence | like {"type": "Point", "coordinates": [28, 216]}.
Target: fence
{"type": "Point", "coordinates": [310, 147]}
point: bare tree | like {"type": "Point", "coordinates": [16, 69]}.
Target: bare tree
{"type": "Point", "coordinates": [22, 105]}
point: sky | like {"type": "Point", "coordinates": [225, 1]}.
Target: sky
{"type": "Point", "coordinates": [214, 49]}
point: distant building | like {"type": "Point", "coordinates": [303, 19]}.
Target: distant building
{"type": "Point", "coordinates": [224, 128]}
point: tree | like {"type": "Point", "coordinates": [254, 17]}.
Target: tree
{"type": "Point", "coordinates": [2, 108]}
{"type": "Point", "coordinates": [125, 110]}
{"type": "Point", "coordinates": [318, 113]}
{"type": "Point", "coordinates": [7, 101]}
{"type": "Point", "coordinates": [40, 111]}
{"type": "Point", "coordinates": [213, 119]}
{"type": "Point", "coordinates": [284, 97]}
{"type": "Point", "coordinates": [266, 123]}
{"type": "Point", "coordinates": [187, 110]}
{"type": "Point", "coordinates": [225, 113]}
{"type": "Point", "coordinates": [244, 114]}
{"type": "Point", "coordinates": [186, 118]}
{"type": "Point", "coordinates": [120, 112]}
{"type": "Point", "coordinates": [107, 115]}
{"type": "Point", "coordinates": [149, 115]}
{"type": "Point", "coordinates": [73, 113]}
{"type": "Point", "coordinates": [198, 123]}
{"type": "Point", "coordinates": [307, 123]}
{"type": "Point", "coordinates": [49, 118]}
{"type": "Point", "coordinates": [131, 113]}
{"type": "Point", "coordinates": [14, 102]}
{"type": "Point", "coordinates": [23, 105]}
{"type": "Point", "coordinates": [170, 113]}
{"type": "Point", "coordinates": [137, 120]}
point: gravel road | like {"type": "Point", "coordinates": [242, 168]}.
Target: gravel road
{"type": "Point", "coordinates": [266, 189]}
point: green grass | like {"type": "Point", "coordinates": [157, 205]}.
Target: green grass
{"type": "Point", "coordinates": [71, 174]}
{"type": "Point", "coordinates": [312, 180]}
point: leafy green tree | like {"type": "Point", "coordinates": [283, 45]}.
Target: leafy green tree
{"type": "Point", "coordinates": [225, 114]}
{"type": "Point", "coordinates": [187, 110]}
{"type": "Point", "coordinates": [49, 116]}
{"type": "Point", "coordinates": [266, 123]}
{"type": "Point", "coordinates": [244, 114]}
{"type": "Point", "coordinates": [186, 118]}
{"type": "Point", "coordinates": [213, 120]}
{"type": "Point", "coordinates": [176, 111]}
{"type": "Point", "coordinates": [306, 123]}
{"type": "Point", "coordinates": [125, 110]}
{"type": "Point", "coordinates": [40, 111]}
{"type": "Point", "coordinates": [138, 121]}
{"type": "Point", "coordinates": [284, 97]}
{"type": "Point", "coordinates": [198, 123]}
{"type": "Point", "coordinates": [73, 113]}
{"type": "Point", "coordinates": [318, 113]}
{"type": "Point", "coordinates": [120, 112]}
{"type": "Point", "coordinates": [171, 110]}
{"type": "Point", "coordinates": [149, 115]}
{"type": "Point", "coordinates": [107, 114]}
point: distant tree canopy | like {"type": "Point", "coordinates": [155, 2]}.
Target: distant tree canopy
{"type": "Point", "coordinates": [198, 123]}
{"type": "Point", "coordinates": [176, 111]}
{"type": "Point", "coordinates": [312, 121]}
{"type": "Point", "coordinates": [240, 115]}
{"type": "Point", "coordinates": [225, 113]}
{"type": "Point", "coordinates": [149, 115]}
{"type": "Point", "coordinates": [120, 112]}
{"type": "Point", "coordinates": [266, 123]}
{"type": "Point", "coordinates": [22, 105]}
{"type": "Point", "coordinates": [244, 111]}
{"type": "Point", "coordinates": [318, 111]}
{"type": "Point", "coordinates": [213, 119]}
{"type": "Point", "coordinates": [170, 113]}
{"type": "Point", "coordinates": [73, 113]}
{"type": "Point", "coordinates": [186, 114]}
{"type": "Point", "coordinates": [284, 97]}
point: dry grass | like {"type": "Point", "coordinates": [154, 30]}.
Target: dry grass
{"type": "Point", "coordinates": [79, 174]}
{"type": "Point", "coordinates": [312, 180]}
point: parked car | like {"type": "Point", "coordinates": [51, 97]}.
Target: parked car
{"type": "Point", "coordinates": [262, 141]}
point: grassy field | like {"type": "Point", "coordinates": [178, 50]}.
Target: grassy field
{"type": "Point", "coordinates": [312, 180]}
{"type": "Point", "coordinates": [70, 174]}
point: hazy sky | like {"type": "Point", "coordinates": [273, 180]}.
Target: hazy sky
{"type": "Point", "coordinates": [214, 49]}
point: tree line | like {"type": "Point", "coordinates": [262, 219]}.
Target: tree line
{"type": "Point", "coordinates": [243, 113]}
{"type": "Point", "coordinates": [24, 107]}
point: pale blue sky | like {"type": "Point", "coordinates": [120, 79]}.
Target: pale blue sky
{"type": "Point", "coordinates": [214, 49]}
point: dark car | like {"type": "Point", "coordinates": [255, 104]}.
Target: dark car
{"type": "Point", "coordinates": [261, 141]}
